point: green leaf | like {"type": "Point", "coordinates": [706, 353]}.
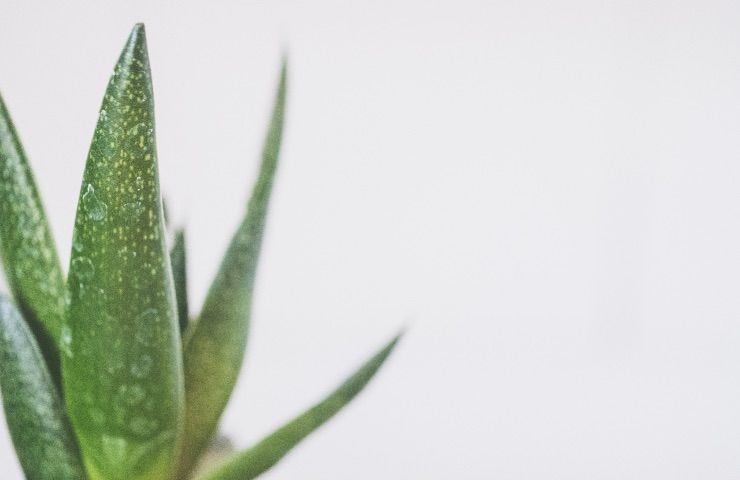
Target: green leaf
{"type": "Point", "coordinates": [166, 212]}
{"type": "Point", "coordinates": [258, 459]}
{"type": "Point", "coordinates": [27, 246]}
{"type": "Point", "coordinates": [217, 452]}
{"type": "Point", "coordinates": [214, 345]}
{"type": "Point", "coordinates": [178, 258]}
{"type": "Point", "coordinates": [34, 411]}
{"type": "Point", "coordinates": [121, 355]}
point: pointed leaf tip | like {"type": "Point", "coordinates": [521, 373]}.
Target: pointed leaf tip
{"type": "Point", "coordinates": [138, 33]}
{"type": "Point", "coordinates": [134, 55]}
{"type": "Point", "coordinates": [264, 455]}
{"type": "Point", "coordinates": [121, 316]}
{"type": "Point", "coordinates": [178, 259]}
{"type": "Point", "coordinates": [284, 66]}
{"type": "Point", "coordinates": [214, 345]}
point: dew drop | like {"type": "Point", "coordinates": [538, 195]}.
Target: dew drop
{"type": "Point", "coordinates": [144, 336]}
{"type": "Point", "coordinates": [87, 398]}
{"type": "Point", "coordinates": [76, 241]}
{"type": "Point", "coordinates": [92, 293]}
{"type": "Point", "coordinates": [20, 270]}
{"type": "Point", "coordinates": [131, 395]}
{"type": "Point", "coordinates": [83, 268]}
{"type": "Point", "coordinates": [97, 416]}
{"type": "Point", "coordinates": [114, 448]}
{"type": "Point", "coordinates": [96, 210]}
{"type": "Point", "coordinates": [148, 316]}
{"type": "Point", "coordinates": [65, 342]}
{"type": "Point", "coordinates": [133, 209]}
{"type": "Point", "coordinates": [143, 426]}
{"type": "Point", "coordinates": [141, 366]}
{"type": "Point", "coordinates": [115, 366]}
{"type": "Point", "coordinates": [145, 326]}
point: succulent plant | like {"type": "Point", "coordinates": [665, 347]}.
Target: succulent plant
{"type": "Point", "coordinates": [103, 375]}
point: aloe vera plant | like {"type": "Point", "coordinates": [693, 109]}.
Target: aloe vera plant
{"type": "Point", "coordinates": [103, 375]}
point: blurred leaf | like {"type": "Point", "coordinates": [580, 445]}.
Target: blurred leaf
{"type": "Point", "coordinates": [166, 212]}
{"type": "Point", "coordinates": [258, 459]}
{"type": "Point", "coordinates": [178, 258]}
{"type": "Point", "coordinates": [218, 450]}
{"type": "Point", "coordinates": [122, 353]}
{"type": "Point", "coordinates": [34, 411]}
{"type": "Point", "coordinates": [27, 246]}
{"type": "Point", "coordinates": [214, 345]}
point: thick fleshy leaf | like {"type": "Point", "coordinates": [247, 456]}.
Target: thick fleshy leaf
{"type": "Point", "coordinates": [178, 258]}
{"type": "Point", "coordinates": [121, 352]}
{"type": "Point", "coordinates": [34, 410]}
{"type": "Point", "coordinates": [27, 247]}
{"type": "Point", "coordinates": [214, 344]}
{"type": "Point", "coordinates": [258, 459]}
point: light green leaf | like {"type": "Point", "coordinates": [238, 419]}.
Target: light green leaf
{"type": "Point", "coordinates": [218, 450]}
{"type": "Point", "coordinates": [178, 258]}
{"type": "Point", "coordinates": [214, 345]}
{"type": "Point", "coordinates": [34, 411]}
{"type": "Point", "coordinates": [27, 246]}
{"type": "Point", "coordinates": [258, 459]}
{"type": "Point", "coordinates": [121, 354]}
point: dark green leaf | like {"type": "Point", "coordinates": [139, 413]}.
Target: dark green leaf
{"type": "Point", "coordinates": [27, 246]}
{"type": "Point", "coordinates": [178, 258]}
{"type": "Point", "coordinates": [258, 459]}
{"type": "Point", "coordinates": [122, 354]}
{"type": "Point", "coordinates": [34, 411]}
{"type": "Point", "coordinates": [214, 345]}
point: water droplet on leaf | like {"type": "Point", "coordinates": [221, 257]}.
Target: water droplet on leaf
{"type": "Point", "coordinates": [149, 316]}
{"type": "Point", "coordinates": [76, 241]}
{"type": "Point", "coordinates": [143, 426]}
{"type": "Point", "coordinates": [65, 342]}
{"type": "Point", "coordinates": [142, 366]}
{"type": "Point", "coordinates": [97, 415]}
{"type": "Point", "coordinates": [131, 395]}
{"type": "Point", "coordinates": [83, 268]}
{"type": "Point", "coordinates": [133, 209]}
{"type": "Point", "coordinates": [95, 209]}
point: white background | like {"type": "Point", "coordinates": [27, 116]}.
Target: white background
{"type": "Point", "coordinates": [548, 193]}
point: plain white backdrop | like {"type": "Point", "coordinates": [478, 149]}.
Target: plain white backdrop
{"type": "Point", "coordinates": [548, 193]}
